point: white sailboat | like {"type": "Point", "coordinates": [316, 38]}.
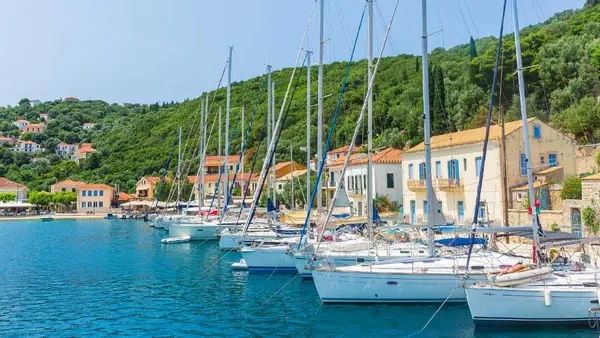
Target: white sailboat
{"type": "Point", "coordinates": [563, 298]}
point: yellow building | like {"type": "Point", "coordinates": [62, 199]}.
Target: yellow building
{"type": "Point", "coordinates": [146, 187]}
{"type": "Point", "coordinates": [65, 186]}
{"type": "Point", "coordinates": [94, 198]}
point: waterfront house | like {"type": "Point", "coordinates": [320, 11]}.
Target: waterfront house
{"type": "Point", "coordinates": [65, 149]}
{"type": "Point", "coordinates": [18, 189]}
{"type": "Point", "coordinates": [295, 175]}
{"type": "Point", "coordinates": [65, 186]}
{"type": "Point", "coordinates": [147, 187]}
{"type": "Point", "coordinates": [386, 178]}
{"type": "Point", "coordinates": [210, 183]}
{"type": "Point", "coordinates": [337, 153]}
{"type": "Point", "coordinates": [284, 168]}
{"type": "Point", "coordinates": [21, 123]}
{"type": "Point", "coordinates": [456, 161]}
{"type": "Point", "coordinates": [94, 198]}
{"type": "Point", "coordinates": [88, 126]}
{"type": "Point", "coordinates": [34, 128]}
{"type": "Point", "coordinates": [82, 152]}
{"type": "Point", "coordinates": [213, 162]}
{"type": "Point", "coordinates": [29, 147]}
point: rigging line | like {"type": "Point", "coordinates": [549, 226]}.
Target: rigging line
{"type": "Point", "coordinates": [263, 173]}
{"type": "Point", "coordinates": [343, 23]}
{"type": "Point", "coordinates": [485, 142]}
{"type": "Point", "coordinates": [471, 17]}
{"type": "Point", "coordinates": [463, 18]}
{"type": "Point", "coordinates": [393, 43]}
{"type": "Point", "coordinates": [166, 169]}
{"type": "Point", "coordinates": [437, 5]}
{"type": "Point", "coordinates": [330, 132]}
{"type": "Point", "coordinates": [280, 289]}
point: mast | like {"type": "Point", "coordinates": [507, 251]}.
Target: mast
{"type": "Point", "coordinates": [320, 101]}
{"type": "Point", "coordinates": [427, 130]}
{"type": "Point", "coordinates": [273, 177]}
{"type": "Point", "coordinates": [370, 125]}
{"type": "Point", "coordinates": [534, 226]}
{"type": "Point", "coordinates": [200, 151]}
{"type": "Point", "coordinates": [269, 113]}
{"type": "Point", "coordinates": [308, 53]}
{"type": "Point", "coordinates": [292, 172]}
{"type": "Point", "coordinates": [219, 163]}
{"type": "Point", "coordinates": [205, 144]}
{"type": "Point", "coordinates": [227, 108]}
{"type": "Point", "coordinates": [242, 151]}
{"type": "Point", "coordinates": [179, 171]}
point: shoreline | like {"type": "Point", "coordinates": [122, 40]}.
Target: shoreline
{"type": "Point", "coordinates": [55, 216]}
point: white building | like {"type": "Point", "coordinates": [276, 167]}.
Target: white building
{"type": "Point", "coordinates": [65, 150]}
{"type": "Point", "coordinates": [29, 147]}
{"type": "Point", "coordinates": [337, 153]}
{"type": "Point", "coordinates": [456, 162]}
{"type": "Point", "coordinates": [387, 178]}
{"type": "Point", "coordinates": [18, 189]}
{"type": "Point", "coordinates": [88, 126]}
{"type": "Point", "coordinates": [20, 123]}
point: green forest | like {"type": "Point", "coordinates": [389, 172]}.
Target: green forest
{"type": "Point", "coordinates": [561, 57]}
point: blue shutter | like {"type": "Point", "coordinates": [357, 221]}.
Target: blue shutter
{"type": "Point", "coordinates": [537, 132]}
{"type": "Point", "coordinates": [477, 165]}
{"type": "Point", "coordinates": [456, 171]}
{"type": "Point", "coordinates": [552, 161]}
{"type": "Point", "coordinates": [523, 164]}
{"type": "Point", "coordinates": [438, 169]}
{"type": "Point", "coordinates": [461, 211]}
{"type": "Point", "coordinates": [410, 172]}
{"type": "Point", "coordinates": [450, 175]}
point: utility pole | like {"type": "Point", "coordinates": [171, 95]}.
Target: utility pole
{"type": "Point", "coordinates": [370, 125]}
{"type": "Point", "coordinates": [227, 108]}
{"type": "Point", "coordinates": [320, 101]}
{"type": "Point", "coordinates": [308, 54]}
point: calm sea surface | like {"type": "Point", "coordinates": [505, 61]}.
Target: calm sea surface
{"type": "Point", "coordinates": [78, 278]}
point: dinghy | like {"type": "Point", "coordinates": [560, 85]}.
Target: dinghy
{"type": "Point", "coordinates": [176, 240]}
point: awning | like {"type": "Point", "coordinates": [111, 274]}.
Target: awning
{"type": "Point", "coordinates": [549, 236]}
{"type": "Point", "coordinates": [10, 205]}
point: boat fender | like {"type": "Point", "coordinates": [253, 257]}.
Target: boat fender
{"type": "Point", "coordinates": [547, 297]}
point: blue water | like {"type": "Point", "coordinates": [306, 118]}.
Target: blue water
{"type": "Point", "coordinates": [76, 278]}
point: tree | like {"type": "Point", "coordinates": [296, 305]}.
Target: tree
{"type": "Point", "coordinates": [40, 198]}
{"type": "Point", "coordinates": [8, 197]}
{"type": "Point", "coordinates": [64, 198]}
{"type": "Point", "coordinates": [571, 188]}
{"type": "Point", "coordinates": [24, 101]}
{"type": "Point", "coordinates": [581, 120]}
{"type": "Point", "coordinates": [439, 121]}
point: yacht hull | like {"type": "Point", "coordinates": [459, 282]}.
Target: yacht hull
{"type": "Point", "coordinates": [269, 259]}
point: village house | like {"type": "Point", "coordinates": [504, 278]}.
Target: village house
{"type": "Point", "coordinates": [210, 183]}
{"type": "Point", "coordinates": [66, 186]}
{"type": "Point", "coordinates": [337, 153]}
{"type": "Point", "coordinates": [34, 128]}
{"type": "Point", "coordinates": [213, 162]}
{"type": "Point", "coordinates": [82, 152]}
{"type": "Point", "coordinates": [18, 189]}
{"type": "Point", "coordinates": [281, 181]}
{"type": "Point", "coordinates": [386, 178]}
{"type": "Point", "coordinates": [65, 149]}
{"type": "Point", "coordinates": [94, 198]}
{"type": "Point", "coordinates": [281, 169]}
{"type": "Point", "coordinates": [147, 186]}
{"type": "Point", "coordinates": [456, 162]}
{"type": "Point", "coordinates": [28, 147]}
{"type": "Point", "coordinates": [45, 117]}
{"type": "Point", "coordinates": [7, 140]}
{"type": "Point", "coordinates": [71, 98]}
{"type": "Point", "coordinates": [34, 102]}
{"type": "Point", "coordinates": [88, 126]}
{"type": "Point", "coordinates": [20, 123]}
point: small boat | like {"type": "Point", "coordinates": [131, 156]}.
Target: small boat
{"type": "Point", "coordinates": [109, 216]}
{"type": "Point", "coordinates": [47, 218]}
{"type": "Point", "coordinates": [175, 240]}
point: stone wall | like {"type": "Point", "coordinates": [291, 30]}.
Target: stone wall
{"type": "Point", "coordinates": [590, 190]}
{"type": "Point", "coordinates": [518, 217]}
{"type": "Point", "coordinates": [585, 158]}
{"type": "Point", "coordinates": [554, 199]}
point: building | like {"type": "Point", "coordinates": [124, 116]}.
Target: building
{"type": "Point", "coordinates": [71, 98]}
{"type": "Point", "coordinates": [34, 102]}
{"type": "Point", "coordinates": [456, 162]}
{"type": "Point", "coordinates": [45, 117]}
{"type": "Point", "coordinates": [210, 183]}
{"type": "Point", "coordinates": [147, 187]}
{"type": "Point", "coordinates": [18, 189]}
{"type": "Point", "coordinates": [82, 152]}
{"type": "Point", "coordinates": [65, 149]}
{"type": "Point", "coordinates": [213, 162]}
{"type": "Point", "coordinates": [280, 182]}
{"type": "Point", "coordinates": [284, 168]}
{"type": "Point", "coordinates": [34, 128]}
{"type": "Point", "coordinates": [66, 186]}
{"type": "Point", "coordinates": [7, 140]}
{"type": "Point", "coordinates": [94, 198]}
{"type": "Point", "coordinates": [337, 153]}
{"type": "Point", "coordinates": [88, 126]}
{"type": "Point", "coordinates": [20, 123]}
{"type": "Point", "coordinates": [386, 178]}
{"type": "Point", "coordinates": [29, 147]}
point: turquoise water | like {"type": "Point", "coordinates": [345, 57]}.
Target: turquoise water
{"type": "Point", "coordinates": [75, 278]}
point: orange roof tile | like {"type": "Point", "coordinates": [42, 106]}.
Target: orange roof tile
{"type": "Point", "coordinates": [342, 159]}
{"type": "Point", "coordinates": [69, 182]}
{"type": "Point", "coordinates": [94, 186]}
{"type": "Point", "coordinates": [6, 183]}
{"type": "Point", "coordinates": [388, 155]}
{"type": "Point", "coordinates": [122, 197]}
{"type": "Point", "coordinates": [343, 149]}
{"type": "Point", "coordinates": [215, 177]}
{"type": "Point", "coordinates": [469, 136]}
{"type": "Point", "coordinates": [214, 160]}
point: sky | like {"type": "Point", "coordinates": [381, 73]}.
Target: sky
{"type": "Point", "coordinates": [145, 51]}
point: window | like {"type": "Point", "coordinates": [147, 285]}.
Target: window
{"type": "Point", "coordinates": [453, 170]}
{"type": "Point", "coordinates": [101, 204]}
{"type": "Point", "coordinates": [332, 179]}
{"type": "Point", "coordinates": [83, 193]}
{"type": "Point", "coordinates": [411, 175]}
{"type": "Point", "coordinates": [425, 209]}
{"type": "Point", "coordinates": [89, 204]}
{"type": "Point", "coordinates": [461, 211]}
{"type": "Point", "coordinates": [464, 164]}
{"type": "Point", "coordinates": [390, 181]}
{"type": "Point", "coordinates": [89, 193]}
{"type": "Point", "coordinates": [477, 165]}
{"type": "Point", "coordinates": [537, 132]}
{"type": "Point", "coordinates": [101, 192]}
{"type": "Point", "coordinates": [95, 204]}
{"type": "Point", "coordinates": [422, 175]}
{"type": "Point", "coordinates": [95, 192]}
{"type": "Point", "coordinates": [83, 204]}
{"type": "Point", "coordinates": [63, 189]}
{"type": "Point", "coordinates": [438, 169]}
{"type": "Point", "coordinates": [279, 187]}
{"type": "Point", "coordinates": [523, 164]}
{"type": "Point", "coordinates": [365, 181]}
{"type": "Point", "coordinates": [552, 160]}
{"type": "Point", "coordinates": [542, 159]}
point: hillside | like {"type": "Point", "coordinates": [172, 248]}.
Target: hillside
{"type": "Point", "coordinates": [562, 56]}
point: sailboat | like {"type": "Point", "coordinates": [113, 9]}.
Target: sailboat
{"type": "Point", "coordinates": [421, 280]}
{"type": "Point", "coordinates": [561, 297]}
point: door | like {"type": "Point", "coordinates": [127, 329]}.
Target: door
{"type": "Point", "coordinates": [552, 160]}
{"type": "Point", "coordinates": [482, 212]}
{"type": "Point", "coordinates": [413, 212]}
{"type": "Point", "coordinates": [576, 221]}
{"type": "Point", "coordinates": [461, 211]}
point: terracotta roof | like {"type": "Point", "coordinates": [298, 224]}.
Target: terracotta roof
{"type": "Point", "coordinates": [94, 186]}
{"type": "Point", "coordinates": [388, 155]}
{"type": "Point", "coordinates": [289, 176]}
{"type": "Point", "coordinates": [89, 124]}
{"type": "Point", "coordinates": [28, 142]}
{"type": "Point", "coordinates": [469, 136]}
{"type": "Point", "coordinates": [86, 148]}
{"type": "Point", "coordinates": [122, 197]}
{"type": "Point", "coordinates": [296, 165]}
{"type": "Point", "coordinates": [547, 170]}
{"type": "Point", "coordinates": [33, 125]}
{"type": "Point", "coordinates": [342, 159]}
{"type": "Point", "coordinates": [214, 160]}
{"type": "Point", "coordinates": [21, 120]}
{"type": "Point", "coordinates": [69, 182]}
{"type": "Point", "coordinates": [6, 183]}
{"type": "Point", "coordinates": [343, 149]}
{"type": "Point", "coordinates": [64, 144]}
{"type": "Point", "coordinates": [153, 179]}
{"type": "Point", "coordinates": [3, 138]}
{"type": "Point", "coordinates": [594, 177]}
{"type": "Point", "coordinates": [525, 187]}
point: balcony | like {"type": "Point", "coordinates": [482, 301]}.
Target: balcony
{"type": "Point", "coordinates": [450, 184]}
{"type": "Point", "coordinates": [417, 185]}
